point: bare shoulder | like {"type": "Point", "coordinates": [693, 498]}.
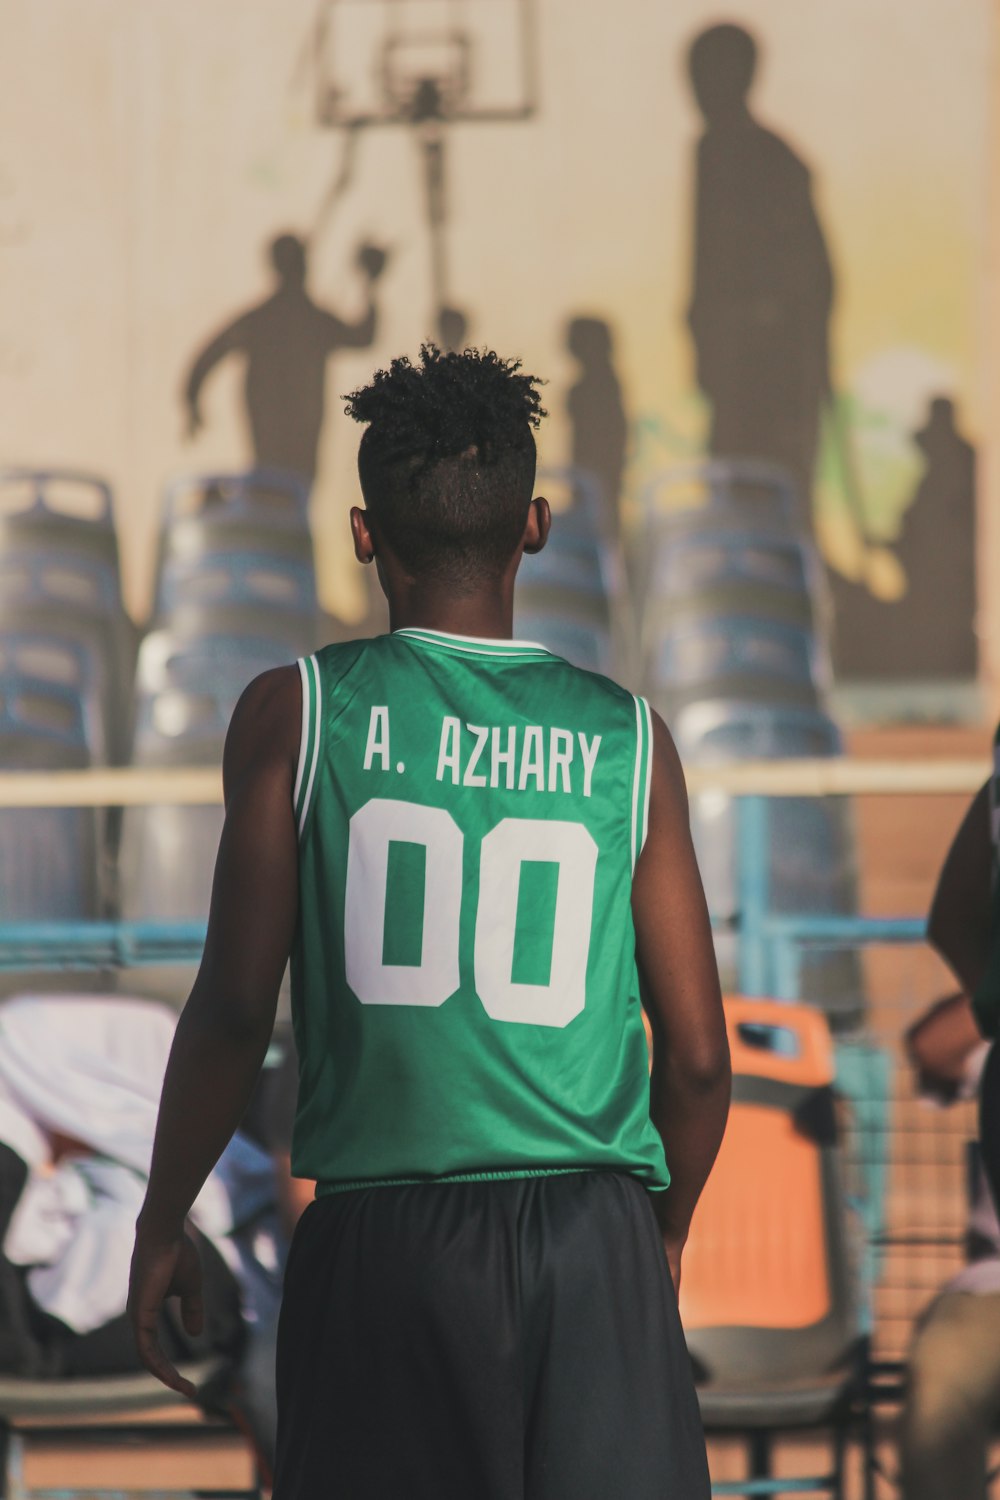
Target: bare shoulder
{"type": "Point", "coordinates": [266, 724]}
{"type": "Point", "coordinates": [669, 789]}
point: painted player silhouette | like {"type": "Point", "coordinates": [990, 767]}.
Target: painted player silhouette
{"type": "Point", "coordinates": [596, 412]}
{"type": "Point", "coordinates": [478, 857]}
{"type": "Point", "coordinates": [763, 284]}
{"type": "Point", "coordinates": [286, 342]}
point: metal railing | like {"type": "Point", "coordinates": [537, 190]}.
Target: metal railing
{"type": "Point", "coordinates": [770, 943]}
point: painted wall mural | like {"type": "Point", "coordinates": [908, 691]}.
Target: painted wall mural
{"type": "Point", "coordinates": [754, 233]}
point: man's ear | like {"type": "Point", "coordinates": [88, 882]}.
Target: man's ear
{"type": "Point", "coordinates": [364, 547]}
{"type": "Point", "coordinates": [538, 525]}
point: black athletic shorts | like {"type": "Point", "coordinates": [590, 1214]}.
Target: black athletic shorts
{"type": "Point", "coordinates": [510, 1340]}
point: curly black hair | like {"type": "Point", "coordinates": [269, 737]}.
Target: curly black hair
{"type": "Point", "coordinates": [447, 464]}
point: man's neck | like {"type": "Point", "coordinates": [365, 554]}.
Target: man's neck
{"type": "Point", "coordinates": [488, 613]}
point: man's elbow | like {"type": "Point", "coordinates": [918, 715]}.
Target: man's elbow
{"type": "Point", "coordinates": [703, 1067]}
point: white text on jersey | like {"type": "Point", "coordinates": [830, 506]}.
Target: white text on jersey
{"type": "Point", "coordinates": [527, 758]}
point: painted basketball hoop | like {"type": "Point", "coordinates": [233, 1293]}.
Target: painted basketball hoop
{"type": "Point", "coordinates": [392, 62]}
{"type": "Point", "coordinates": [423, 64]}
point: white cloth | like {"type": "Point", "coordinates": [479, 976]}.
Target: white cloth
{"type": "Point", "coordinates": [91, 1068]}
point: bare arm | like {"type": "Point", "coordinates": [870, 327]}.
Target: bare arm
{"type": "Point", "coordinates": [940, 1043]}
{"type": "Point", "coordinates": [690, 1083]}
{"type": "Point", "coordinates": [371, 261]}
{"type": "Point", "coordinates": [959, 922]}
{"type": "Point", "coordinates": [225, 1027]}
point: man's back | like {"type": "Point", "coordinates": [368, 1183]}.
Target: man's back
{"type": "Point", "coordinates": [465, 987]}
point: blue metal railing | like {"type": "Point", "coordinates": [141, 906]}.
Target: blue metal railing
{"type": "Point", "coordinates": [770, 943]}
{"type": "Point", "coordinates": [98, 945]}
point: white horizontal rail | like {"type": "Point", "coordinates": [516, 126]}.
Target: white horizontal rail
{"type": "Point", "coordinates": [138, 786]}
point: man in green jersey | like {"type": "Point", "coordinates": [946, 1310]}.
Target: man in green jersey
{"type": "Point", "coordinates": [479, 860]}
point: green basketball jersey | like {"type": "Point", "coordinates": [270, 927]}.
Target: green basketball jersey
{"type": "Point", "coordinates": [464, 987]}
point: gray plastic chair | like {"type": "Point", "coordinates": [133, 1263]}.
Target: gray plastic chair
{"type": "Point", "coordinates": [187, 686]}
{"type": "Point", "coordinates": [58, 594]}
{"type": "Point", "coordinates": [262, 512]}
{"type": "Point", "coordinates": [585, 643]}
{"type": "Point", "coordinates": [242, 580]}
{"type": "Point", "coordinates": [204, 665]}
{"type": "Point", "coordinates": [812, 845]}
{"type": "Point", "coordinates": [725, 492]}
{"type": "Point", "coordinates": [57, 657]}
{"type": "Point", "coordinates": [49, 867]}
{"type": "Point", "coordinates": [703, 655]}
{"type": "Point", "coordinates": [737, 571]}
{"type": "Point", "coordinates": [118, 1408]}
{"type": "Point", "coordinates": [60, 511]}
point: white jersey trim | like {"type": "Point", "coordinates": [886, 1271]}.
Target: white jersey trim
{"type": "Point", "coordinates": [649, 775]}
{"type": "Point", "coordinates": [303, 732]}
{"type": "Point", "coordinates": [473, 645]}
{"type": "Point", "coordinates": [636, 773]}
{"type": "Point", "coordinates": [312, 708]}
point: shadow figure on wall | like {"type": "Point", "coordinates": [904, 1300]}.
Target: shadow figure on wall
{"type": "Point", "coordinates": [763, 284]}
{"type": "Point", "coordinates": [929, 633]}
{"type": "Point", "coordinates": [286, 342]}
{"type": "Point", "coordinates": [452, 329]}
{"type": "Point", "coordinates": [596, 413]}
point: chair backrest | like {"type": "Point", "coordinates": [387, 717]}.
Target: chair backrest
{"type": "Point", "coordinates": [704, 655]}
{"type": "Point", "coordinates": [59, 511]}
{"type": "Point", "coordinates": [738, 729]}
{"type": "Point", "coordinates": [47, 576]}
{"type": "Point", "coordinates": [585, 643]}
{"type": "Point", "coordinates": [108, 644]}
{"type": "Point", "coordinates": [685, 560]}
{"type": "Point", "coordinates": [723, 492]}
{"type": "Point", "coordinates": [265, 497]}
{"type": "Point", "coordinates": [199, 659]}
{"type": "Point", "coordinates": [769, 1291]}
{"type": "Point", "coordinates": [61, 657]}
{"type": "Point", "coordinates": [240, 580]}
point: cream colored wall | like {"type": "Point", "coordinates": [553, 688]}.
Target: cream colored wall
{"type": "Point", "coordinates": [149, 151]}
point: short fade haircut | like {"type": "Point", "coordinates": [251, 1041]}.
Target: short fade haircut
{"type": "Point", "coordinates": [447, 464]}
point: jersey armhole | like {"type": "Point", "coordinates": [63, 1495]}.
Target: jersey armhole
{"type": "Point", "coordinates": [642, 777]}
{"type": "Point", "coordinates": [305, 774]}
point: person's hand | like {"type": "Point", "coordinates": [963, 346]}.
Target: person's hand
{"type": "Point", "coordinates": [372, 260]}
{"type": "Point", "coordinates": [163, 1268]}
{"type": "Point", "coordinates": [673, 1249]}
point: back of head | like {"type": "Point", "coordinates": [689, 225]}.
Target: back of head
{"type": "Point", "coordinates": [721, 64]}
{"type": "Point", "coordinates": [589, 339]}
{"type": "Point", "coordinates": [447, 464]}
{"type": "Point", "coordinates": [288, 257]}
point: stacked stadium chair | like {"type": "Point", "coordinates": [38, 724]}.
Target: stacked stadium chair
{"type": "Point", "coordinates": [734, 654]}
{"type": "Point", "coordinates": [49, 867]}
{"type": "Point", "coordinates": [235, 595]}
{"type": "Point", "coordinates": [66, 650]}
{"type": "Point", "coordinates": [569, 596]}
{"type": "Point", "coordinates": [60, 583]}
